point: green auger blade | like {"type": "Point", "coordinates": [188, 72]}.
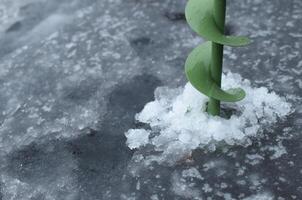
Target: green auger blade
{"type": "Point", "coordinates": [197, 69]}
{"type": "Point", "coordinates": [199, 14]}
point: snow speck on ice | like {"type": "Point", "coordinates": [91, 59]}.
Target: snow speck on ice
{"type": "Point", "coordinates": [263, 196]}
{"type": "Point", "coordinates": [180, 122]}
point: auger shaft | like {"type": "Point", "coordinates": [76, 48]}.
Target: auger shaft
{"type": "Point", "coordinates": [204, 64]}
{"type": "Point", "coordinates": [217, 54]}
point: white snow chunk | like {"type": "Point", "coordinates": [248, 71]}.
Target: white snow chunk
{"type": "Point", "coordinates": [137, 138]}
{"type": "Point", "coordinates": [179, 116]}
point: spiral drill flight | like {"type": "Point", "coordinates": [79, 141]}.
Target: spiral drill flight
{"type": "Point", "coordinates": [204, 64]}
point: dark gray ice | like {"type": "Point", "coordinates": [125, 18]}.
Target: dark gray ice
{"type": "Point", "coordinates": [74, 73]}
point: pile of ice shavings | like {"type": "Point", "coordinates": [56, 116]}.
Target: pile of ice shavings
{"type": "Point", "coordinates": [180, 124]}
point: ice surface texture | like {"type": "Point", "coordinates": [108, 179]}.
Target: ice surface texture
{"type": "Point", "coordinates": [74, 73]}
{"type": "Point", "coordinates": [179, 115]}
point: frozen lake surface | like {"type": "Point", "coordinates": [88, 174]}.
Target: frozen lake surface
{"type": "Point", "coordinates": [74, 73]}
